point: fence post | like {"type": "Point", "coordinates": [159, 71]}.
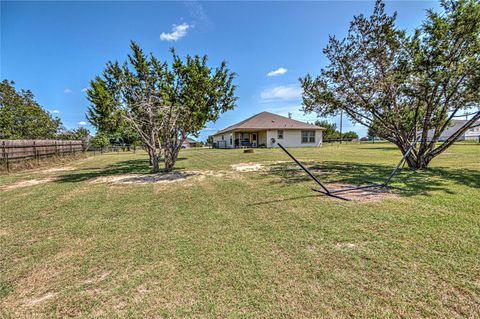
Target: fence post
{"type": "Point", "coordinates": [35, 152]}
{"type": "Point", "coordinates": [4, 153]}
{"type": "Point", "coordinates": [8, 164]}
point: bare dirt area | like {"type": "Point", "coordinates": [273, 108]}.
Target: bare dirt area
{"type": "Point", "coordinates": [362, 195]}
{"type": "Point", "coordinates": [254, 167]}
{"type": "Point", "coordinates": [30, 182]}
{"type": "Point", "coordinates": [166, 178]}
{"type": "Point", "coordinates": [247, 167]}
{"type": "Point", "coordinates": [58, 169]}
{"type": "Point", "coordinates": [41, 299]}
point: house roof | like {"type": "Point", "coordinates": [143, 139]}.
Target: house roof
{"type": "Point", "coordinates": [453, 127]}
{"type": "Point", "coordinates": [269, 121]}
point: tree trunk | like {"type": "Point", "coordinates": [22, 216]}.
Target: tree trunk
{"type": "Point", "coordinates": [171, 155]}
{"type": "Point", "coordinates": [416, 161]}
{"type": "Point", "coordinates": [170, 159]}
{"type": "Point", "coordinates": [169, 163]}
{"type": "Point", "coordinates": [155, 165]}
{"type": "Point", "coordinates": [150, 156]}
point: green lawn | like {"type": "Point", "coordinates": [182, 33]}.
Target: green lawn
{"type": "Point", "coordinates": [243, 244]}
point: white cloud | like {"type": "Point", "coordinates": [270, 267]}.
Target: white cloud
{"type": "Point", "coordinates": [82, 123]}
{"type": "Point", "coordinates": [84, 89]}
{"type": "Point", "coordinates": [209, 129]}
{"type": "Point", "coordinates": [178, 31]}
{"type": "Point", "coordinates": [67, 91]}
{"type": "Point", "coordinates": [278, 71]}
{"type": "Point", "coordinates": [282, 93]}
{"type": "Point", "coordinates": [54, 111]}
{"type": "Point", "coordinates": [196, 11]}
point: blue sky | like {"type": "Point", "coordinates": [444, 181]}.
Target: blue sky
{"type": "Point", "coordinates": [55, 48]}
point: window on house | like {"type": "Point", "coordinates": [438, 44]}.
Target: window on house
{"type": "Point", "coordinates": [223, 138]}
{"type": "Point", "coordinates": [308, 136]}
{"type": "Point", "coordinates": [280, 134]}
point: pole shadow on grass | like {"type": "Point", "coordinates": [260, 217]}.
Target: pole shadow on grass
{"type": "Point", "coordinates": [137, 166]}
{"type": "Point", "coordinates": [415, 181]}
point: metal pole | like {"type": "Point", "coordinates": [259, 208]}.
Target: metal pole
{"type": "Point", "coordinates": [401, 162]}
{"type": "Point", "coordinates": [304, 168]}
{"type": "Point", "coordinates": [341, 124]}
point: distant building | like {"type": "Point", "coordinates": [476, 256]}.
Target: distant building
{"type": "Point", "coordinates": [267, 130]}
{"type": "Point", "coordinates": [189, 143]}
{"type": "Point", "coordinates": [471, 134]}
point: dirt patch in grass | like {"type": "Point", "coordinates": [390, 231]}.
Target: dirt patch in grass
{"type": "Point", "coordinates": [101, 277]}
{"type": "Point", "coordinates": [34, 301]}
{"type": "Point", "coordinates": [58, 169]}
{"type": "Point", "coordinates": [362, 195]}
{"type": "Point", "coordinates": [165, 178]}
{"type": "Point", "coordinates": [30, 182]}
{"type": "Point", "coordinates": [247, 167]}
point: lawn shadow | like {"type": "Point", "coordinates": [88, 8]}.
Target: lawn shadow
{"type": "Point", "coordinates": [137, 166]}
{"type": "Point", "coordinates": [379, 148]}
{"type": "Point", "coordinates": [282, 200]}
{"type": "Point", "coordinates": [415, 181]}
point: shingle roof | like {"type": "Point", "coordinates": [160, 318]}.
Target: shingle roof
{"type": "Point", "coordinates": [269, 121]}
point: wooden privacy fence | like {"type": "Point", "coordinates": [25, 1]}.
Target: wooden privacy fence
{"type": "Point", "coordinates": [15, 150]}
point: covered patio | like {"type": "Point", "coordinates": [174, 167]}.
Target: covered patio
{"type": "Point", "coordinates": [252, 139]}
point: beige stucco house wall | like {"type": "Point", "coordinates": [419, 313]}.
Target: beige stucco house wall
{"type": "Point", "coordinates": [267, 130]}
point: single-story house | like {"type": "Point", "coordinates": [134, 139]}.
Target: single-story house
{"type": "Point", "coordinates": [189, 143]}
{"type": "Point", "coordinates": [471, 134]}
{"type": "Point", "coordinates": [267, 130]}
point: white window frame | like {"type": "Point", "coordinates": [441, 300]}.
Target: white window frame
{"type": "Point", "coordinates": [280, 134]}
{"type": "Point", "coordinates": [309, 136]}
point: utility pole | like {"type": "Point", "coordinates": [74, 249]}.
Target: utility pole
{"type": "Point", "coordinates": [341, 134]}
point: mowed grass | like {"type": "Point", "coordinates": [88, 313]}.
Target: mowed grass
{"type": "Point", "coordinates": [244, 244]}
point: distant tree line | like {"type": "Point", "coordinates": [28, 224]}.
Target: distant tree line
{"type": "Point", "coordinates": [331, 132]}
{"type": "Point", "coordinates": [21, 117]}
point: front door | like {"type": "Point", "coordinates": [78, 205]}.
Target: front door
{"type": "Point", "coordinates": [254, 139]}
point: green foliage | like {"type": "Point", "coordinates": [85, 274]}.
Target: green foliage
{"type": "Point", "coordinates": [331, 129]}
{"type": "Point", "coordinates": [210, 140]}
{"type": "Point", "coordinates": [331, 132]}
{"type": "Point", "coordinates": [81, 133]}
{"type": "Point", "coordinates": [399, 84]}
{"type": "Point", "coordinates": [21, 117]}
{"type": "Point", "coordinates": [350, 135]}
{"type": "Point", "coordinates": [100, 140]}
{"type": "Point", "coordinates": [163, 102]}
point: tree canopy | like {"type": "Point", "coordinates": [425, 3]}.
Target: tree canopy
{"type": "Point", "coordinates": [164, 102]}
{"type": "Point", "coordinates": [404, 85]}
{"type": "Point", "coordinates": [21, 117]}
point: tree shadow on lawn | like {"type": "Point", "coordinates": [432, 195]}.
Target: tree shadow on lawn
{"type": "Point", "coordinates": [415, 181]}
{"type": "Point", "coordinates": [380, 148]}
{"type": "Point", "coordinates": [138, 166]}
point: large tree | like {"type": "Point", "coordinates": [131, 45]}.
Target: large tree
{"type": "Point", "coordinates": [163, 102]}
{"type": "Point", "coordinates": [21, 117]}
{"type": "Point", "coordinates": [402, 85]}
